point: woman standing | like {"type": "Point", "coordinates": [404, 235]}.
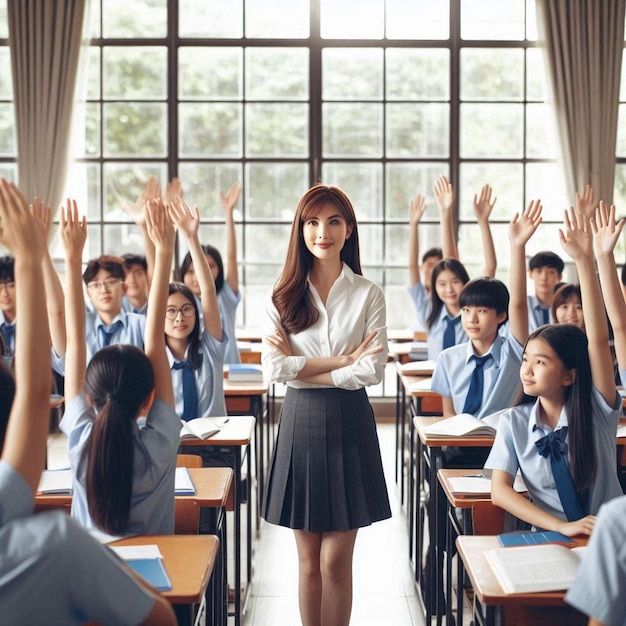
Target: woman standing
{"type": "Point", "coordinates": [326, 339]}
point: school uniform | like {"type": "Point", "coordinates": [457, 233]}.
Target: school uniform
{"type": "Point", "coordinates": [228, 301]}
{"type": "Point", "coordinates": [129, 308]}
{"type": "Point", "coordinates": [155, 444]}
{"type": "Point", "coordinates": [53, 572]}
{"type": "Point", "coordinates": [514, 448]}
{"type": "Point", "coordinates": [326, 472]}
{"type": "Point", "coordinates": [598, 589]}
{"type": "Point", "coordinates": [8, 333]}
{"type": "Point", "coordinates": [421, 303]}
{"type": "Point", "coordinates": [538, 315]}
{"type": "Point", "coordinates": [209, 378]}
{"type": "Point", "coordinates": [622, 377]}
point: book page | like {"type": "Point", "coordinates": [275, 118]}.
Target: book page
{"type": "Point", "coordinates": [458, 426]}
{"type": "Point", "coordinates": [55, 481]}
{"type": "Point", "coordinates": [183, 483]}
{"type": "Point", "coordinates": [418, 367]}
{"type": "Point", "coordinates": [479, 484]}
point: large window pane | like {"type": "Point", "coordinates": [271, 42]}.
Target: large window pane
{"type": "Point", "coordinates": [93, 73]}
{"type": "Point", "coordinates": [4, 22]}
{"type": "Point", "coordinates": [494, 130]}
{"type": "Point", "coordinates": [132, 73]}
{"type": "Point", "coordinates": [346, 19]}
{"type": "Point", "coordinates": [135, 129]}
{"type": "Point", "coordinates": [363, 184]}
{"type": "Point", "coordinates": [92, 129]}
{"type": "Point", "coordinates": [492, 19]}
{"type": "Point", "coordinates": [134, 19]}
{"type": "Point", "coordinates": [210, 130]}
{"type": "Point", "coordinates": [215, 73]}
{"type": "Point", "coordinates": [406, 180]}
{"type": "Point", "coordinates": [6, 82]}
{"type": "Point", "coordinates": [210, 19]}
{"type": "Point", "coordinates": [203, 183]}
{"type": "Point", "coordinates": [122, 238]}
{"type": "Point", "coordinates": [267, 243]}
{"type": "Point", "coordinates": [7, 130]}
{"type": "Point", "coordinates": [352, 130]}
{"type": "Point", "coordinates": [355, 74]}
{"type": "Point", "coordinates": [420, 74]}
{"type": "Point", "coordinates": [371, 237]}
{"type": "Point", "coordinates": [417, 130]}
{"type": "Point", "coordinates": [279, 18]}
{"type": "Point", "coordinates": [418, 20]}
{"type": "Point", "coordinates": [277, 74]}
{"type": "Point", "coordinates": [492, 74]}
{"type": "Point", "coordinates": [536, 88]}
{"type": "Point", "coordinates": [540, 135]}
{"type": "Point", "coordinates": [278, 130]}
{"type": "Point", "coordinates": [545, 181]}
{"type": "Point", "coordinates": [84, 182]}
{"type": "Point", "coordinates": [471, 246]}
{"type": "Point", "coordinates": [620, 147]}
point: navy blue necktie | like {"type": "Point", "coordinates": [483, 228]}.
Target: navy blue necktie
{"type": "Point", "coordinates": [106, 333]}
{"type": "Point", "coordinates": [8, 334]}
{"type": "Point", "coordinates": [190, 391]}
{"type": "Point", "coordinates": [474, 398]}
{"type": "Point", "coordinates": [553, 446]}
{"type": "Point", "coordinates": [449, 334]}
{"type": "Point", "coordinates": [545, 312]}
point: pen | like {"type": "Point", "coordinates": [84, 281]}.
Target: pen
{"type": "Point", "coordinates": [473, 475]}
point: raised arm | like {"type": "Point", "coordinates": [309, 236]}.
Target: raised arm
{"type": "Point", "coordinates": [74, 235]}
{"type": "Point", "coordinates": [483, 205]}
{"type": "Point", "coordinates": [162, 233]}
{"type": "Point", "coordinates": [27, 430]}
{"type": "Point", "coordinates": [605, 236]}
{"type": "Point", "coordinates": [521, 229]}
{"type": "Point", "coordinates": [188, 224]}
{"type": "Point", "coordinates": [586, 202]}
{"type": "Point", "coordinates": [444, 194]}
{"type": "Point", "coordinates": [416, 212]}
{"type": "Point", "coordinates": [576, 239]}
{"type": "Point", "coordinates": [229, 200]}
{"type": "Point", "coordinates": [54, 291]}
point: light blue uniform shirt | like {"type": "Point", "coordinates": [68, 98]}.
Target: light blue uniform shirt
{"type": "Point", "coordinates": [422, 303]}
{"type": "Point", "coordinates": [3, 321]}
{"type": "Point", "coordinates": [129, 308]}
{"type": "Point", "coordinates": [598, 589]}
{"type": "Point", "coordinates": [453, 374]}
{"type": "Point", "coordinates": [49, 558]}
{"type": "Point", "coordinates": [622, 377]}
{"type": "Point", "coordinates": [228, 301]}
{"type": "Point", "coordinates": [514, 448]}
{"type": "Point", "coordinates": [156, 445]}
{"type": "Point", "coordinates": [209, 378]}
{"type": "Point", "coordinates": [535, 313]}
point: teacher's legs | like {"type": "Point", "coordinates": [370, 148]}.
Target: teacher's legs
{"type": "Point", "coordinates": [325, 577]}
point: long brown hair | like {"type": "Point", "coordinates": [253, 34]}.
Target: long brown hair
{"type": "Point", "coordinates": [291, 294]}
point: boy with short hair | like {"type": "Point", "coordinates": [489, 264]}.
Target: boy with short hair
{"type": "Point", "coordinates": [137, 284]}
{"type": "Point", "coordinates": [545, 269]}
{"type": "Point", "coordinates": [7, 303]}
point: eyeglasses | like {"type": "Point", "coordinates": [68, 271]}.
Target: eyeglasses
{"type": "Point", "coordinates": [8, 285]}
{"type": "Point", "coordinates": [188, 310]}
{"type": "Point", "coordinates": [108, 284]}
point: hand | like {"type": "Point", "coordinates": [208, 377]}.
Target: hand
{"type": "Point", "coordinates": [364, 348]}
{"type": "Point", "coordinates": [42, 215]}
{"type": "Point", "coordinates": [229, 200]}
{"type": "Point", "coordinates": [73, 230]}
{"type": "Point", "coordinates": [583, 526]}
{"type": "Point", "coordinates": [18, 230]}
{"type": "Point", "coordinates": [586, 203]}
{"type": "Point", "coordinates": [575, 236]}
{"type": "Point", "coordinates": [187, 223]}
{"type": "Point", "coordinates": [605, 232]}
{"type": "Point", "coordinates": [522, 228]}
{"type": "Point", "coordinates": [173, 189]}
{"type": "Point", "coordinates": [483, 204]}
{"type": "Point", "coordinates": [444, 193]}
{"type": "Point", "coordinates": [159, 225]}
{"type": "Point", "coordinates": [280, 342]}
{"type": "Point", "coordinates": [417, 208]}
{"type": "Point", "coordinates": [152, 191]}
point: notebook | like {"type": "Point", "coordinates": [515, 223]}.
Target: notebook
{"type": "Point", "coordinates": [183, 485]}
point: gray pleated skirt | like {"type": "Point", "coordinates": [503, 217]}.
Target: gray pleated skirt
{"type": "Point", "coordinates": [326, 472]}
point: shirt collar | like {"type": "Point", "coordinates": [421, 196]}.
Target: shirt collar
{"type": "Point", "coordinates": [494, 350]}
{"type": "Point", "coordinates": [121, 317]}
{"type": "Point", "coordinates": [170, 357]}
{"type": "Point", "coordinates": [537, 424]}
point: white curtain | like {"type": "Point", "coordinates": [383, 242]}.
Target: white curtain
{"type": "Point", "coordinates": [583, 42]}
{"type": "Point", "coordinates": [45, 40]}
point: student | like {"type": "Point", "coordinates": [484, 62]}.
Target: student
{"type": "Point", "coordinates": [598, 589]}
{"type": "Point", "coordinates": [73, 578]}
{"type": "Point", "coordinates": [545, 269]}
{"type": "Point", "coordinates": [7, 303]}
{"type": "Point", "coordinates": [564, 441]}
{"type": "Point", "coordinates": [123, 474]}
{"type": "Point", "coordinates": [196, 357]}
{"type": "Point", "coordinates": [227, 285]}
{"type": "Point", "coordinates": [567, 306]}
{"type": "Point", "coordinates": [137, 286]}
{"type": "Point", "coordinates": [326, 339]}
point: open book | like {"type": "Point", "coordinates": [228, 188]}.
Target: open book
{"type": "Point", "coordinates": [465, 425]}
{"type": "Point", "coordinates": [418, 368]}
{"type": "Point", "coordinates": [183, 484]}
{"type": "Point", "coordinates": [475, 484]}
{"type": "Point", "coordinates": [56, 482]}
{"type": "Point", "coordinates": [532, 569]}
{"type": "Point", "coordinates": [201, 427]}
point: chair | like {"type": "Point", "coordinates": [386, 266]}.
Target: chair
{"type": "Point", "coordinates": [188, 460]}
{"type": "Point", "coordinates": [487, 518]}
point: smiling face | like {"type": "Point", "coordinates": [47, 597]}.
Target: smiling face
{"type": "Point", "coordinates": [542, 372]}
{"type": "Point", "coordinates": [325, 233]}
{"type": "Point", "coordinates": [571, 312]}
{"type": "Point", "coordinates": [183, 314]}
{"type": "Point", "coordinates": [106, 291]}
{"type": "Point", "coordinates": [449, 286]}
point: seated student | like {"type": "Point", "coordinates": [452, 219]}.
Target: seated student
{"type": "Point", "coordinates": [7, 303]}
{"type": "Point", "coordinates": [137, 286]}
{"type": "Point", "coordinates": [123, 474]}
{"type": "Point", "coordinates": [545, 270]}
{"type": "Point", "coordinates": [47, 557]}
{"type": "Point", "coordinates": [598, 589]}
{"type": "Point", "coordinates": [567, 306]}
{"type": "Point", "coordinates": [226, 283]}
{"type": "Point", "coordinates": [562, 437]}
{"type": "Point", "coordinates": [196, 357]}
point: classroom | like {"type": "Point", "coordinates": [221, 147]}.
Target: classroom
{"type": "Point", "coordinates": [355, 221]}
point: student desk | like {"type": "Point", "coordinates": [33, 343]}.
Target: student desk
{"type": "Point", "coordinates": [428, 459]}
{"type": "Point", "coordinates": [545, 608]}
{"type": "Point", "coordinates": [228, 446]}
{"type": "Point", "coordinates": [189, 562]}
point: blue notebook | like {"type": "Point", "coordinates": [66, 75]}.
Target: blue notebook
{"type": "Point", "coordinates": [532, 538]}
{"type": "Point", "coordinates": [153, 571]}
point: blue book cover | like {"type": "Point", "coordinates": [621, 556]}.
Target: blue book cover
{"type": "Point", "coordinates": [153, 571]}
{"type": "Point", "coordinates": [532, 538]}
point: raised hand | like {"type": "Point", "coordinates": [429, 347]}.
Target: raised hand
{"type": "Point", "coordinates": [173, 189]}
{"type": "Point", "coordinates": [417, 208]}
{"type": "Point", "coordinates": [186, 222]}
{"type": "Point", "coordinates": [230, 198]}
{"type": "Point", "coordinates": [152, 191]}
{"type": "Point", "coordinates": [73, 229]}
{"type": "Point", "coordinates": [522, 228]}
{"type": "Point", "coordinates": [18, 230]}
{"type": "Point", "coordinates": [575, 235]}
{"type": "Point", "coordinates": [444, 193]}
{"type": "Point", "coordinates": [605, 232]}
{"type": "Point", "coordinates": [483, 204]}
{"type": "Point", "coordinates": [42, 215]}
{"type": "Point", "coordinates": [159, 225]}
{"type": "Point", "coordinates": [586, 202]}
